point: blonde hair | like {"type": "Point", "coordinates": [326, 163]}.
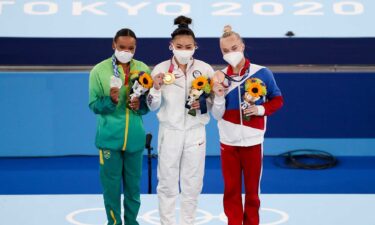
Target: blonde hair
{"type": "Point", "coordinates": [227, 32]}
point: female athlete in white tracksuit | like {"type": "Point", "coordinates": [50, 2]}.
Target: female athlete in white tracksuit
{"type": "Point", "coordinates": [182, 137]}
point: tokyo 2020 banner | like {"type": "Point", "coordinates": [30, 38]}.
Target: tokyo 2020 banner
{"type": "Point", "coordinates": [253, 18]}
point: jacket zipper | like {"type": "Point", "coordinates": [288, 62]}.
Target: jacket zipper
{"type": "Point", "coordinates": [240, 100]}
{"type": "Point", "coordinates": [185, 114]}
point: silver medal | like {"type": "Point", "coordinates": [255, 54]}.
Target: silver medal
{"type": "Point", "coordinates": [116, 82]}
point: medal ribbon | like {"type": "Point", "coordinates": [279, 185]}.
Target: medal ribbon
{"type": "Point", "coordinates": [234, 80]}
{"type": "Point", "coordinates": [116, 73]}
{"type": "Point", "coordinates": [171, 68]}
{"type": "Point", "coordinates": [115, 67]}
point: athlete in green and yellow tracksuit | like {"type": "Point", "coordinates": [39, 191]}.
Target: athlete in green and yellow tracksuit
{"type": "Point", "coordinates": [120, 135]}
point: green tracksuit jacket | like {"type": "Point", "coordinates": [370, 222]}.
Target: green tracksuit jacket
{"type": "Point", "coordinates": [119, 128]}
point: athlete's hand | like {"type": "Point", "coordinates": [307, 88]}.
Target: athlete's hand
{"type": "Point", "coordinates": [134, 104]}
{"type": "Point", "coordinates": [218, 89]}
{"type": "Point", "coordinates": [218, 77]}
{"type": "Point", "coordinates": [251, 111]}
{"type": "Point", "coordinates": [195, 105]}
{"type": "Point", "coordinates": [158, 80]}
{"type": "Point", "coordinates": [114, 93]}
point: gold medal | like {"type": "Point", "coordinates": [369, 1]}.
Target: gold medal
{"type": "Point", "coordinates": [169, 78]}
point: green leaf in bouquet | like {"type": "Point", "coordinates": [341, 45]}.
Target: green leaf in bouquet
{"type": "Point", "coordinates": [134, 76]}
{"type": "Point", "coordinates": [247, 85]}
{"type": "Point", "coordinates": [207, 88]}
{"type": "Point", "coordinates": [192, 112]}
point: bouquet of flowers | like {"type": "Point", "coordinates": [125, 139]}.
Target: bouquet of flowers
{"type": "Point", "coordinates": [254, 90]}
{"type": "Point", "coordinates": [142, 82]}
{"type": "Point", "coordinates": [200, 90]}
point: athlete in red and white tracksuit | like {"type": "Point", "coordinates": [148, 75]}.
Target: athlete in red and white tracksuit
{"type": "Point", "coordinates": [241, 141]}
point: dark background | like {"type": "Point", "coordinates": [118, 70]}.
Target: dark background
{"type": "Point", "coordinates": [268, 51]}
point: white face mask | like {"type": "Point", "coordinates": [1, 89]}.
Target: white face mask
{"type": "Point", "coordinates": [123, 56]}
{"type": "Point", "coordinates": [183, 56]}
{"type": "Point", "coordinates": [233, 58]}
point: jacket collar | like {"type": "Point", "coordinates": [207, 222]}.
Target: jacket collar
{"type": "Point", "coordinates": [243, 70]}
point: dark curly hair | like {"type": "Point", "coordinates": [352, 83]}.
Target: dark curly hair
{"type": "Point", "coordinates": [183, 23]}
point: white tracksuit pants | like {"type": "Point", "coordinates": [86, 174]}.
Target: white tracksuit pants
{"type": "Point", "coordinates": [181, 158]}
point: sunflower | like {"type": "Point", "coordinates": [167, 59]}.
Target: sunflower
{"type": "Point", "coordinates": [255, 90]}
{"type": "Point", "coordinates": [145, 80]}
{"type": "Point", "coordinates": [200, 82]}
{"type": "Point", "coordinates": [255, 87]}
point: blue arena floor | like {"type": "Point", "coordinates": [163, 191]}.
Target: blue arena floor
{"type": "Point", "coordinates": [67, 190]}
{"type": "Point", "coordinates": [282, 209]}
{"type": "Point", "coordinates": [80, 175]}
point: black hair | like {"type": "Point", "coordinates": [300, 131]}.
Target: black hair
{"type": "Point", "coordinates": [124, 32]}
{"type": "Point", "coordinates": [183, 23]}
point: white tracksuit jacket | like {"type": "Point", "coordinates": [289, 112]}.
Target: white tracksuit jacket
{"type": "Point", "coordinates": [181, 142]}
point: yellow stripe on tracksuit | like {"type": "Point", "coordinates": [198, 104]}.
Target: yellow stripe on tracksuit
{"type": "Point", "coordinates": [126, 129]}
{"type": "Point", "coordinates": [113, 217]}
{"type": "Point", "coordinates": [101, 160]}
